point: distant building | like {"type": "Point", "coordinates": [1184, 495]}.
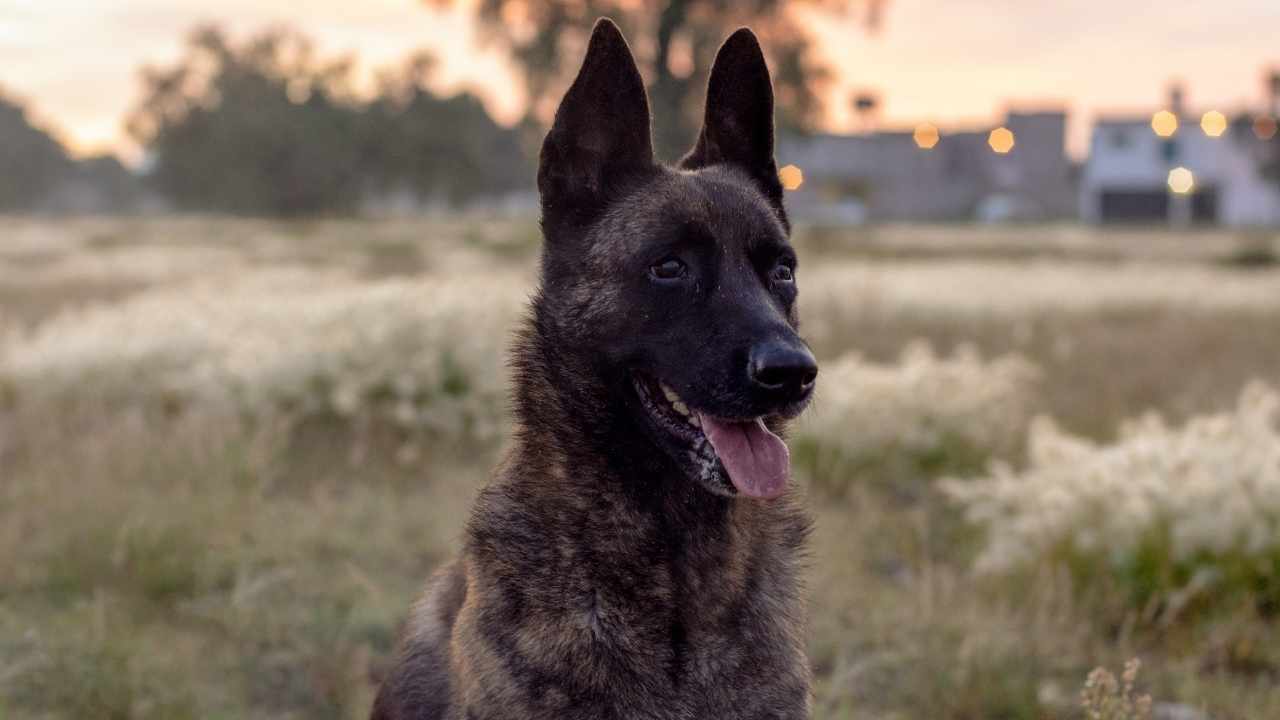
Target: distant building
{"type": "Point", "coordinates": [1127, 177]}
{"type": "Point", "coordinates": [926, 174]}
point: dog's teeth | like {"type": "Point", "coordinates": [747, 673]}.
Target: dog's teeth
{"type": "Point", "coordinates": [694, 421]}
{"type": "Point", "coordinates": [671, 395]}
{"type": "Point", "coordinates": [680, 407]}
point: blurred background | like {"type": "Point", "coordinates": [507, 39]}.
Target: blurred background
{"type": "Point", "coordinates": [259, 262]}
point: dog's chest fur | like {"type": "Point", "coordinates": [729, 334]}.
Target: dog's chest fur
{"type": "Point", "coordinates": [583, 602]}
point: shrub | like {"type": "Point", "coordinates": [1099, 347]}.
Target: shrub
{"type": "Point", "coordinates": [1253, 252]}
{"type": "Point", "coordinates": [924, 416]}
{"type": "Point", "coordinates": [421, 354]}
{"type": "Point", "coordinates": [1171, 514]}
{"type": "Point", "coordinates": [1106, 698]}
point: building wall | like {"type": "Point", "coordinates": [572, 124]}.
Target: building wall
{"type": "Point", "coordinates": [1125, 155]}
{"type": "Point", "coordinates": [1043, 171]}
{"type": "Point", "coordinates": [893, 179]}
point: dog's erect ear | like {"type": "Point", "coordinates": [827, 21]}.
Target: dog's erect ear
{"type": "Point", "coordinates": [602, 127]}
{"type": "Point", "coordinates": [738, 127]}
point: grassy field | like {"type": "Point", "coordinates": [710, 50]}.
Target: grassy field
{"type": "Point", "coordinates": [230, 452]}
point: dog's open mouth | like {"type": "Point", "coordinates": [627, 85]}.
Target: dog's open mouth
{"type": "Point", "coordinates": [755, 460]}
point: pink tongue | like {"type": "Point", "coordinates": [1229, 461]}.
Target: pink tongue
{"type": "Point", "coordinates": [757, 460]}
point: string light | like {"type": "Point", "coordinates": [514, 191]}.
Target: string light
{"type": "Point", "coordinates": [1265, 127]}
{"type": "Point", "coordinates": [1001, 140]}
{"type": "Point", "coordinates": [1164, 123]}
{"type": "Point", "coordinates": [1214, 123]}
{"type": "Point", "coordinates": [1181, 180]}
{"type": "Point", "coordinates": [791, 177]}
{"type": "Point", "coordinates": [926, 136]}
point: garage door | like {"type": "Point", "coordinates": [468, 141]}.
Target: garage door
{"type": "Point", "coordinates": [1135, 205]}
{"type": "Point", "coordinates": [1152, 206]}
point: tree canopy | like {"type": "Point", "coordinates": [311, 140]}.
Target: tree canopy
{"type": "Point", "coordinates": [674, 42]}
{"type": "Point", "coordinates": [32, 162]}
{"type": "Point", "coordinates": [269, 127]}
{"type": "Point", "coordinates": [37, 174]}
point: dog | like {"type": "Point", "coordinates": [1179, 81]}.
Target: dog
{"type": "Point", "coordinates": [638, 553]}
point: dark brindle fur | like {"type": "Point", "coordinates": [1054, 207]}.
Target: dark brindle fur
{"type": "Point", "coordinates": [611, 570]}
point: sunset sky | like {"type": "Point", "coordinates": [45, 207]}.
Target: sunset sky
{"type": "Point", "coordinates": [948, 61]}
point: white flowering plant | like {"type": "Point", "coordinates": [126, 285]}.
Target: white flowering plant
{"type": "Point", "coordinates": [923, 416]}
{"type": "Point", "coordinates": [1104, 697]}
{"type": "Point", "coordinates": [1175, 517]}
{"type": "Point", "coordinates": [1011, 289]}
{"type": "Point", "coordinates": [422, 354]}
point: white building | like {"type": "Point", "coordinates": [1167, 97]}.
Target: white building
{"type": "Point", "coordinates": [1127, 175]}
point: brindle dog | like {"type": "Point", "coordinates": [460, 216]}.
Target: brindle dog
{"type": "Point", "coordinates": [638, 553]}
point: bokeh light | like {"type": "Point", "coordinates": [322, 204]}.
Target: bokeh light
{"type": "Point", "coordinates": [1265, 127]}
{"type": "Point", "coordinates": [1001, 140]}
{"type": "Point", "coordinates": [926, 136]}
{"type": "Point", "coordinates": [791, 176]}
{"type": "Point", "coordinates": [1181, 180]}
{"type": "Point", "coordinates": [1214, 123]}
{"type": "Point", "coordinates": [1164, 123]}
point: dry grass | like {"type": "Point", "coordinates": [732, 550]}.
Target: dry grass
{"type": "Point", "coordinates": [1101, 367]}
{"type": "Point", "coordinates": [161, 564]}
{"type": "Point", "coordinates": [195, 567]}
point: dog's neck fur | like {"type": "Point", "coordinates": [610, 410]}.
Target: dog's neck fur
{"type": "Point", "coordinates": [592, 528]}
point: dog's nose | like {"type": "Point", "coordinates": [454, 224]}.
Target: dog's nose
{"type": "Point", "coordinates": [780, 366]}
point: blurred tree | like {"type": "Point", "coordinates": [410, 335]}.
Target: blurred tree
{"type": "Point", "coordinates": [269, 128]}
{"type": "Point", "coordinates": [450, 146]}
{"type": "Point", "coordinates": [674, 43]}
{"type": "Point", "coordinates": [1265, 127]}
{"type": "Point", "coordinates": [37, 174]}
{"type": "Point", "coordinates": [259, 129]}
{"type": "Point", "coordinates": [32, 162]}
{"type": "Point", "coordinates": [1261, 128]}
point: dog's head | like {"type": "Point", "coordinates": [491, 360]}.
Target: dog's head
{"type": "Point", "coordinates": [677, 286]}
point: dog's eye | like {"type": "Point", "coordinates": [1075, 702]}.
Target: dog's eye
{"type": "Point", "coordinates": [668, 269]}
{"type": "Point", "coordinates": [783, 274]}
